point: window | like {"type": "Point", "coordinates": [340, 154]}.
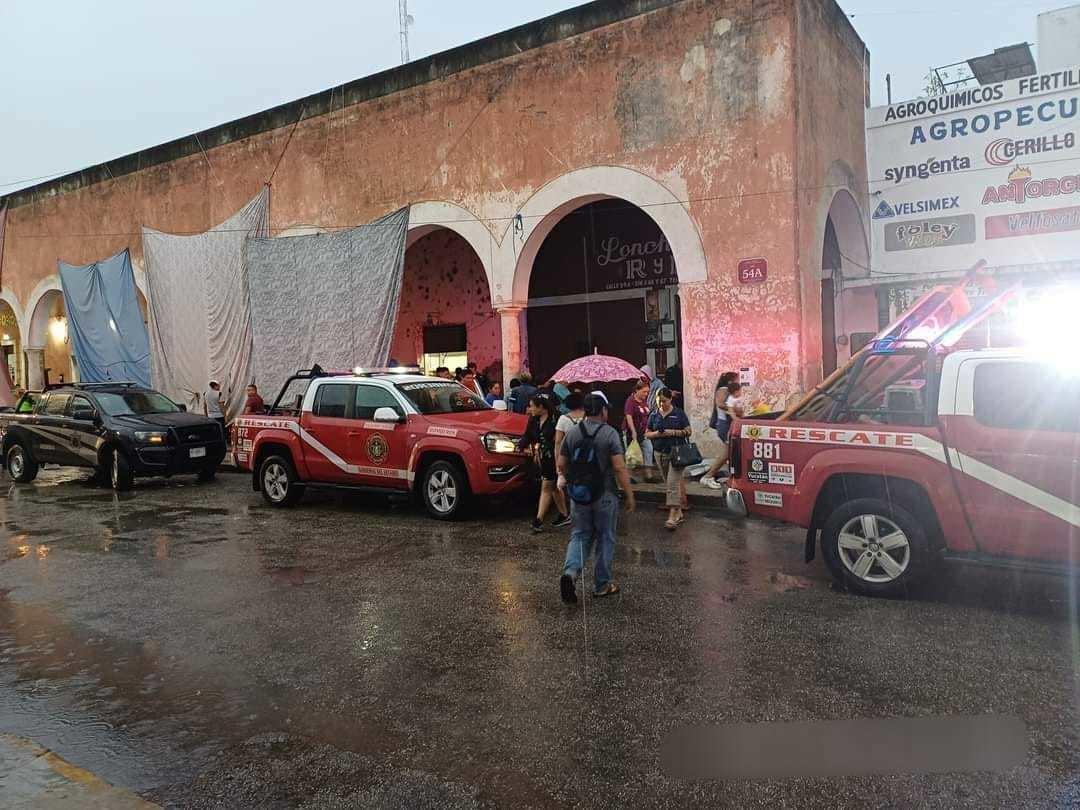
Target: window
{"type": "Point", "coordinates": [81, 408]}
{"type": "Point", "coordinates": [445, 339]}
{"type": "Point", "coordinates": [28, 403]}
{"type": "Point", "coordinates": [369, 398]}
{"type": "Point", "coordinates": [292, 398]}
{"type": "Point", "coordinates": [432, 397]}
{"type": "Point", "coordinates": [334, 401]}
{"type": "Point", "coordinates": [890, 389]}
{"type": "Point", "coordinates": [56, 404]}
{"type": "Point", "coordinates": [135, 403]}
{"type": "Point", "coordinates": [1026, 396]}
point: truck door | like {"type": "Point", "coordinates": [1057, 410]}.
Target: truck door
{"type": "Point", "coordinates": [378, 449]}
{"type": "Point", "coordinates": [84, 430]}
{"type": "Point", "coordinates": [51, 442]}
{"type": "Point", "coordinates": [326, 446]}
{"type": "Point", "coordinates": [1015, 435]}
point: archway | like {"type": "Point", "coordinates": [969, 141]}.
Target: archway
{"type": "Point", "coordinates": [605, 280]}
{"type": "Point", "coordinates": [445, 317]}
{"type": "Point", "coordinates": [48, 343]}
{"type": "Point", "coordinates": [11, 339]}
{"type": "Point", "coordinates": [845, 257]}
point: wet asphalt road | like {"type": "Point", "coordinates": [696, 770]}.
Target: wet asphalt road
{"type": "Point", "coordinates": [193, 645]}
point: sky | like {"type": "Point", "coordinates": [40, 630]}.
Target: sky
{"type": "Point", "coordinates": [82, 83]}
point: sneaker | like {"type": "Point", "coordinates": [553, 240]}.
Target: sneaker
{"type": "Point", "coordinates": [567, 589]}
{"type": "Point", "coordinates": [537, 525]}
{"type": "Point", "coordinates": [708, 481]}
{"type": "Point", "coordinates": [715, 483]}
{"type": "Point", "coordinates": [562, 520]}
{"type": "Point", "coordinates": [608, 590]}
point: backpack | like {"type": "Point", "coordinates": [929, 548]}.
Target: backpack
{"type": "Point", "coordinates": [585, 479]}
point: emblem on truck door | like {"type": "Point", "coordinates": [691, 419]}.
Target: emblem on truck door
{"type": "Point", "coordinates": [377, 449]}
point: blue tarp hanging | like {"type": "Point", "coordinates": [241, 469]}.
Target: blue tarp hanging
{"type": "Point", "coordinates": [104, 321]}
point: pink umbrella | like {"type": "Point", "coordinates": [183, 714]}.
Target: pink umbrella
{"type": "Point", "coordinates": [596, 368]}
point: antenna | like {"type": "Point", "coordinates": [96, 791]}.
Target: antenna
{"type": "Point", "coordinates": [405, 19]}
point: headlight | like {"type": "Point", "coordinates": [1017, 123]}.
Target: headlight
{"type": "Point", "coordinates": [150, 436]}
{"type": "Point", "coordinates": [500, 443]}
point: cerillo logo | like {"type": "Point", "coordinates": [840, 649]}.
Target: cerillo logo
{"type": "Point", "coordinates": [377, 449]}
{"type": "Point", "coordinates": [1004, 151]}
{"type": "Point", "coordinates": [928, 168]}
{"type": "Point", "coordinates": [1021, 188]}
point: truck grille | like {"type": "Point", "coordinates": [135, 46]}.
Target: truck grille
{"type": "Point", "coordinates": [199, 434]}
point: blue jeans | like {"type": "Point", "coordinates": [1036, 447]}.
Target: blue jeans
{"type": "Point", "coordinates": [595, 522]}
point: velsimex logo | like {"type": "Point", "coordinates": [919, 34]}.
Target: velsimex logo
{"type": "Point", "coordinates": [927, 169]}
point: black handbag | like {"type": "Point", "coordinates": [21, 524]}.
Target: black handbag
{"type": "Point", "coordinates": [685, 455]}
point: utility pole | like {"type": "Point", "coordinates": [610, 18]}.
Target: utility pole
{"type": "Point", "coordinates": [405, 20]}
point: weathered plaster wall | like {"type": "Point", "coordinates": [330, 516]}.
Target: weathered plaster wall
{"type": "Point", "coordinates": [697, 97]}
{"type": "Point", "coordinates": [831, 67]}
{"type": "Point", "coordinates": [444, 284]}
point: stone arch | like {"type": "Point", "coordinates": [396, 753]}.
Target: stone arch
{"type": "Point", "coordinates": [539, 215]}
{"type": "Point", "coordinates": [850, 233]}
{"type": "Point", "coordinates": [429, 215]}
{"type": "Point", "coordinates": [37, 322]}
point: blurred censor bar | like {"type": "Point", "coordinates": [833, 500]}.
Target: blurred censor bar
{"type": "Point", "coordinates": [865, 747]}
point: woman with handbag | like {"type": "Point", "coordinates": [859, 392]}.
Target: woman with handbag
{"type": "Point", "coordinates": [669, 431]}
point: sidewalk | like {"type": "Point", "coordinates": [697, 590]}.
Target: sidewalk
{"type": "Point", "coordinates": [34, 777]}
{"type": "Point", "coordinates": [699, 497]}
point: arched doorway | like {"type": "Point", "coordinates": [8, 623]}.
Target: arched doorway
{"type": "Point", "coordinates": [845, 258]}
{"type": "Point", "coordinates": [604, 279]}
{"type": "Point", "coordinates": [445, 317]}
{"type": "Point", "coordinates": [11, 344]}
{"type": "Point", "coordinates": [49, 336]}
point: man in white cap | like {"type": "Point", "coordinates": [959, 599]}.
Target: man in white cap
{"type": "Point", "coordinates": [212, 404]}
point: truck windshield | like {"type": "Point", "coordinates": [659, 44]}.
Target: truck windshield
{"type": "Point", "coordinates": [136, 403]}
{"type": "Point", "coordinates": [890, 389]}
{"type": "Point", "coordinates": [433, 397]}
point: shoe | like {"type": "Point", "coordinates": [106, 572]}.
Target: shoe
{"type": "Point", "coordinates": [608, 590]}
{"type": "Point", "coordinates": [537, 525]}
{"type": "Point", "coordinates": [707, 481]}
{"type": "Point", "coordinates": [715, 483]}
{"type": "Point", "coordinates": [671, 525]}
{"type": "Point", "coordinates": [567, 589]}
{"type": "Point", "coordinates": [562, 520]}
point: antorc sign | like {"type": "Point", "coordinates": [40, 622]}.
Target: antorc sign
{"type": "Point", "coordinates": [753, 271]}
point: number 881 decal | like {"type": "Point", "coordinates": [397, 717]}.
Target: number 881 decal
{"type": "Point", "coordinates": [770, 451]}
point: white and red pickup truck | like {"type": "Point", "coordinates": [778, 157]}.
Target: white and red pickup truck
{"type": "Point", "coordinates": [919, 451]}
{"type": "Point", "coordinates": [384, 431]}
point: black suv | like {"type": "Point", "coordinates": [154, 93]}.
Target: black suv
{"type": "Point", "coordinates": [121, 430]}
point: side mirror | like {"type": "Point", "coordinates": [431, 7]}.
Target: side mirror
{"type": "Point", "coordinates": [499, 405]}
{"type": "Point", "coordinates": [386, 415]}
{"type": "Point", "coordinates": [183, 408]}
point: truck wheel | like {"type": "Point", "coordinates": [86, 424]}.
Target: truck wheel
{"type": "Point", "coordinates": [874, 547]}
{"type": "Point", "coordinates": [21, 465]}
{"type": "Point", "coordinates": [278, 481]}
{"type": "Point", "coordinates": [445, 490]}
{"type": "Point", "coordinates": [120, 474]}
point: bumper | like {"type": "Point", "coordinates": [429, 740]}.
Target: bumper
{"type": "Point", "coordinates": [176, 460]}
{"type": "Point", "coordinates": [495, 474]}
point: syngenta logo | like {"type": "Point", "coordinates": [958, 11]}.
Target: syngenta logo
{"type": "Point", "coordinates": [1022, 187]}
{"type": "Point", "coordinates": [928, 168]}
{"type": "Point", "coordinates": [916, 207]}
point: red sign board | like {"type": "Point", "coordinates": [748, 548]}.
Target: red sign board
{"type": "Point", "coordinates": [753, 271]}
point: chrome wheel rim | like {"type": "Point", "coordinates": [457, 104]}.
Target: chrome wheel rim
{"type": "Point", "coordinates": [874, 549]}
{"type": "Point", "coordinates": [276, 482]}
{"type": "Point", "coordinates": [16, 462]}
{"type": "Point", "coordinates": [442, 491]}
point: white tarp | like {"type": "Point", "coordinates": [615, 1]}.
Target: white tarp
{"type": "Point", "coordinates": [330, 299]}
{"type": "Point", "coordinates": [199, 310]}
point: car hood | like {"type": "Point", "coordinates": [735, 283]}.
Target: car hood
{"type": "Point", "coordinates": [164, 420]}
{"type": "Point", "coordinates": [482, 421]}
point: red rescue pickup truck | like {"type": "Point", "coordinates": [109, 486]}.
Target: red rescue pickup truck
{"type": "Point", "coordinates": [920, 450]}
{"type": "Point", "coordinates": [382, 431]}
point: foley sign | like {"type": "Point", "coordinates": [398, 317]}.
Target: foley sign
{"type": "Point", "coordinates": [952, 178]}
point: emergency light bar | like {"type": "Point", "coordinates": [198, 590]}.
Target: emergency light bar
{"type": "Point", "coordinates": [374, 372]}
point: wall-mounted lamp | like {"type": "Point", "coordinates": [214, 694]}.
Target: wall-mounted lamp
{"type": "Point", "coordinates": [58, 329]}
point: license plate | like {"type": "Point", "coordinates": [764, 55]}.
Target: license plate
{"type": "Point", "coordinates": [197, 452]}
